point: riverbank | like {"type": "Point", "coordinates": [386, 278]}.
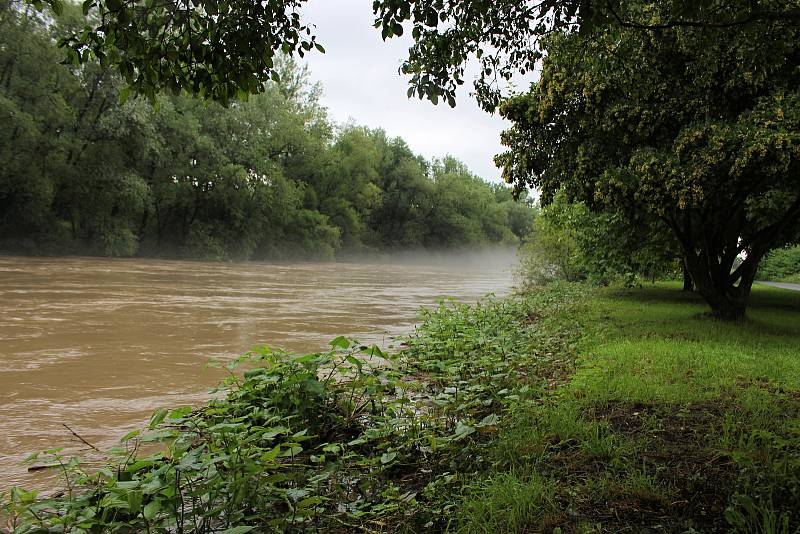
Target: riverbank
{"type": "Point", "coordinates": [672, 423]}
{"type": "Point", "coordinates": [566, 408]}
{"type": "Point", "coordinates": [99, 344]}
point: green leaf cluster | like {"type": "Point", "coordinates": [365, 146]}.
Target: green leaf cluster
{"type": "Point", "coordinates": [570, 242]}
{"type": "Point", "coordinates": [781, 264]}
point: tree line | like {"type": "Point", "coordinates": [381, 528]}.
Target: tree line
{"type": "Point", "coordinates": [676, 119]}
{"type": "Point", "coordinates": [85, 169]}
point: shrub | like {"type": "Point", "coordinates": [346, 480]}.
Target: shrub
{"type": "Point", "coordinates": [781, 264]}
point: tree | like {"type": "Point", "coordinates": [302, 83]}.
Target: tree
{"type": "Point", "coordinates": [223, 49]}
{"type": "Point", "coordinates": [704, 137]}
{"type": "Point", "coordinates": [570, 242]}
{"type": "Point", "coordinates": [86, 171]}
{"type": "Point", "coordinates": [520, 209]}
{"type": "Point", "coordinates": [33, 113]}
{"type": "Point", "coordinates": [399, 221]}
{"type": "Point", "coordinates": [505, 36]}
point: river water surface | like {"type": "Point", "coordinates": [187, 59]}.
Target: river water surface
{"type": "Point", "coordinates": [98, 344]}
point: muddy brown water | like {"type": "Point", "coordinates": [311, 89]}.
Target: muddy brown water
{"type": "Point", "coordinates": [98, 344]}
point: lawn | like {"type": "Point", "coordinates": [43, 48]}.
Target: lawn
{"type": "Point", "coordinates": [672, 422]}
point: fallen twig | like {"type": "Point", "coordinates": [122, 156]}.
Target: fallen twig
{"type": "Point", "coordinates": [42, 467]}
{"type": "Point", "coordinates": [80, 438]}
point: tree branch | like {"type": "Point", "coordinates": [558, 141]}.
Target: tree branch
{"type": "Point", "coordinates": [80, 438]}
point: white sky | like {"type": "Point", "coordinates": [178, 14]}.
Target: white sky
{"type": "Point", "coordinates": [360, 81]}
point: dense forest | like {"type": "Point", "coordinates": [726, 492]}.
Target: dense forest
{"type": "Point", "coordinates": [87, 170]}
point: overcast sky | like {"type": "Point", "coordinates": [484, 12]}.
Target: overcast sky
{"type": "Point", "coordinates": [360, 82]}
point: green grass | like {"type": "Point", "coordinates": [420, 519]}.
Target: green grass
{"type": "Point", "coordinates": [672, 422]}
{"type": "Point", "coordinates": [510, 503]}
{"type": "Point", "coordinates": [657, 345]}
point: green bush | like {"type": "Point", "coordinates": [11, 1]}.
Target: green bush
{"type": "Point", "coordinates": [781, 264]}
{"type": "Point", "coordinates": [570, 242]}
{"type": "Point", "coordinates": [119, 242]}
{"type": "Point", "coordinates": [201, 243]}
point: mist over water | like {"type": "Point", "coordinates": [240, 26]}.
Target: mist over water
{"type": "Point", "coordinates": [486, 258]}
{"type": "Point", "coordinates": [98, 344]}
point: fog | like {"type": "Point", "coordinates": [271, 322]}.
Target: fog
{"type": "Point", "coordinates": [488, 258]}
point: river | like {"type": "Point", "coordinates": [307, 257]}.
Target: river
{"type": "Point", "coordinates": [98, 344]}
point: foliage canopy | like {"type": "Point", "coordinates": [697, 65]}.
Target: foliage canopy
{"type": "Point", "coordinates": [506, 37]}
{"type": "Point", "coordinates": [222, 49]}
{"type": "Point", "coordinates": [695, 127]}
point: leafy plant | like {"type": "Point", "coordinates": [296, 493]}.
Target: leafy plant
{"type": "Point", "coordinates": [332, 440]}
{"type": "Point", "coordinates": [781, 264]}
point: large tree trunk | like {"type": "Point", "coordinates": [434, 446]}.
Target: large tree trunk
{"type": "Point", "coordinates": [688, 284]}
{"type": "Point", "coordinates": [714, 238]}
{"type": "Point", "coordinates": [726, 290]}
{"type": "Point", "coordinates": [727, 305]}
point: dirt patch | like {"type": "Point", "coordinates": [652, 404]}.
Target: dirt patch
{"type": "Point", "coordinates": [689, 483]}
{"type": "Point", "coordinates": [532, 317]}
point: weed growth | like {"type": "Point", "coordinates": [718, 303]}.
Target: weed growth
{"type": "Point", "coordinates": [351, 438]}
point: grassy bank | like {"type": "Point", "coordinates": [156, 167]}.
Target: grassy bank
{"type": "Point", "coordinates": [672, 423]}
{"type": "Point", "coordinates": [566, 409]}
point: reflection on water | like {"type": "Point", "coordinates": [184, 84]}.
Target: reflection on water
{"type": "Point", "coordinates": [98, 344]}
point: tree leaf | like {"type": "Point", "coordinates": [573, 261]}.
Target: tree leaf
{"type": "Point", "coordinates": [339, 342]}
